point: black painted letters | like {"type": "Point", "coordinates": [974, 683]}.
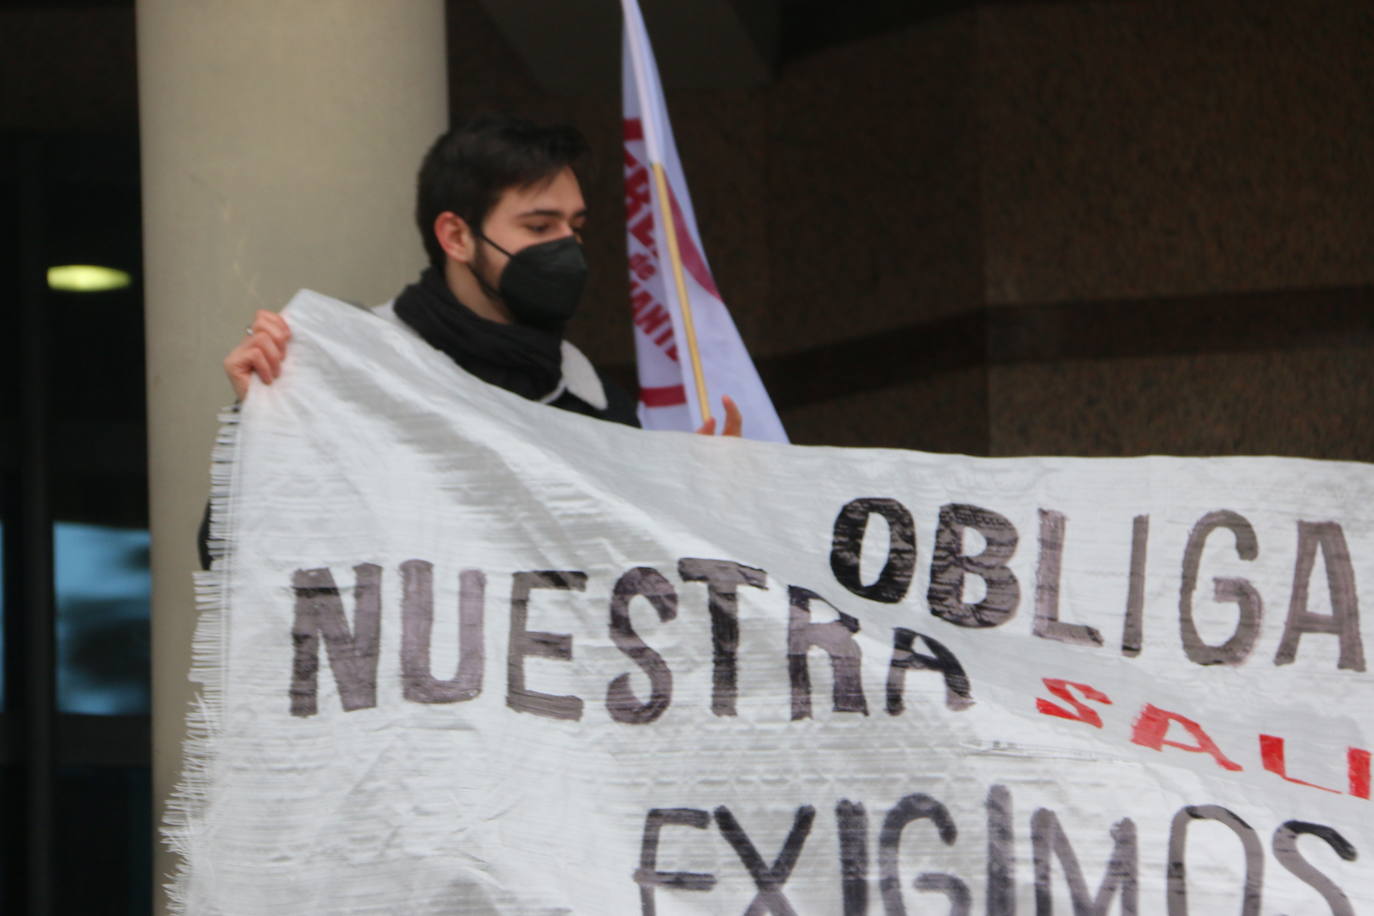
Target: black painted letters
{"type": "Point", "coordinates": [851, 525]}
{"type": "Point", "coordinates": [949, 566]}
{"type": "Point", "coordinates": [352, 656]}
{"type": "Point", "coordinates": [524, 642]}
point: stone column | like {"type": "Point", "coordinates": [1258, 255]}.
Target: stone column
{"type": "Point", "coordinates": [280, 142]}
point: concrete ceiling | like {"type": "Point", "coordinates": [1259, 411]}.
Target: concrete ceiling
{"type": "Point", "coordinates": [573, 48]}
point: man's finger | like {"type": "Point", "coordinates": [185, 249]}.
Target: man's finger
{"type": "Point", "coordinates": [708, 428]}
{"type": "Point", "coordinates": [263, 366]}
{"type": "Point", "coordinates": [272, 333]}
{"type": "Point", "coordinates": [272, 323]}
{"type": "Point", "coordinates": [240, 360]}
{"type": "Point", "coordinates": [734, 420]}
{"type": "Point", "coordinates": [270, 347]}
{"type": "Point", "coordinates": [240, 365]}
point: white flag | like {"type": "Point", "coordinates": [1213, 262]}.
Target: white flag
{"type": "Point", "coordinates": [688, 350]}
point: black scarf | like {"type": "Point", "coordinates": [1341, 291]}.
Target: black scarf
{"type": "Point", "coordinates": [527, 361]}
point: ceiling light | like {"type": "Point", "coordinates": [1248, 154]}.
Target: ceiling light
{"type": "Point", "coordinates": [86, 278]}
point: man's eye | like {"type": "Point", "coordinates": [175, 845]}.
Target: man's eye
{"type": "Point", "coordinates": [538, 228]}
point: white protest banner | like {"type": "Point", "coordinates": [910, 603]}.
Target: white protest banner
{"type": "Point", "coordinates": [465, 653]}
{"type": "Point", "coordinates": [687, 348]}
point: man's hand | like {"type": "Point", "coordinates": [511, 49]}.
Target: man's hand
{"type": "Point", "coordinates": [261, 351]}
{"type": "Point", "coordinates": [734, 422]}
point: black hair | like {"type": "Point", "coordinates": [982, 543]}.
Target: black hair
{"type": "Point", "coordinates": [468, 168]}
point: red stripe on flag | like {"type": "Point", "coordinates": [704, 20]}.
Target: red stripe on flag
{"type": "Point", "coordinates": [692, 258]}
{"type": "Point", "coordinates": [665, 396]}
{"type": "Point", "coordinates": [634, 129]}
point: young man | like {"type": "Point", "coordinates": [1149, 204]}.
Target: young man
{"type": "Point", "coordinates": [500, 211]}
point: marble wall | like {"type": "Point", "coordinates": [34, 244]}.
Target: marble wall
{"type": "Point", "coordinates": [1198, 174]}
{"type": "Point", "coordinates": [1013, 228]}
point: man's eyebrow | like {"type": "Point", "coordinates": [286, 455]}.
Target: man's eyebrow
{"type": "Point", "coordinates": [556, 214]}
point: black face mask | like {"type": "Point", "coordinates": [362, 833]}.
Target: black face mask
{"type": "Point", "coordinates": [541, 284]}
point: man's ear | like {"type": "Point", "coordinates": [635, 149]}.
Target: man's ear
{"type": "Point", "coordinates": [455, 237]}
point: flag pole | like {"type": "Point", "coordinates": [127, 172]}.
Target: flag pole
{"type": "Point", "coordinates": [684, 302]}
{"type": "Point", "coordinates": [635, 31]}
